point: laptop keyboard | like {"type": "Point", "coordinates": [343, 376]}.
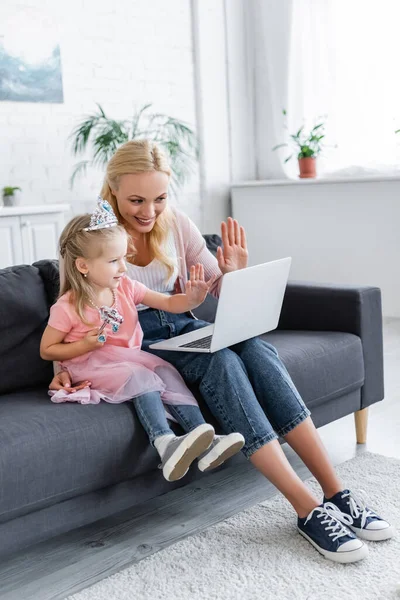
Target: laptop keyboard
{"type": "Point", "coordinates": [202, 343]}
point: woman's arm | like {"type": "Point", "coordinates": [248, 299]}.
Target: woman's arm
{"type": "Point", "coordinates": [52, 346]}
{"type": "Point", "coordinates": [233, 256]}
{"type": "Point", "coordinates": [196, 291]}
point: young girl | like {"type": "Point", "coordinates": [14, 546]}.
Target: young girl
{"type": "Point", "coordinates": [93, 330]}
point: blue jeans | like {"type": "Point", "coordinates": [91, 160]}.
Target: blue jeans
{"type": "Point", "coordinates": [151, 413]}
{"type": "Point", "coordinates": [246, 387]}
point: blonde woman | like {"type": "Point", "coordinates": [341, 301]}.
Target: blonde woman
{"type": "Point", "coordinates": [246, 387]}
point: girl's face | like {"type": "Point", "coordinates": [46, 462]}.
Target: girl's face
{"type": "Point", "coordinates": [106, 270]}
{"type": "Point", "coordinates": [141, 198]}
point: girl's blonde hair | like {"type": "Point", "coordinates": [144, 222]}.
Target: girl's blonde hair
{"type": "Point", "coordinates": [141, 156]}
{"type": "Point", "coordinates": [75, 242]}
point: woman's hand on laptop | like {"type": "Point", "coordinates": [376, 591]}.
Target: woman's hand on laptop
{"type": "Point", "coordinates": [196, 287]}
{"type": "Point", "coordinates": [234, 256]}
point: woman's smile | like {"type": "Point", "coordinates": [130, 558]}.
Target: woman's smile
{"type": "Point", "coordinates": [145, 222]}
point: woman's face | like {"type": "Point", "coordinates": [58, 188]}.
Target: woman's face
{"type": "Point", "coordinates": [141, 198]}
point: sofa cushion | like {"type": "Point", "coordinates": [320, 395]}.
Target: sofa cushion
{"type": "Point", "coordinates": [23, 317]}
{"type": "Point", "coordinates": [51, 452]}
{"type": "Point", "coordinates": [322, 364]}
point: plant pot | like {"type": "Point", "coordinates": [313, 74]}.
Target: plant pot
{"type": "Point", "coordinates": [307, 168]}
{"type": "Point", "coordinates": [13, 200]}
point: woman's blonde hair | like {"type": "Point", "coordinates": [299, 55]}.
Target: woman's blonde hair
{"type": "Point", "coordinates": [141, 156]}
{"type": "Point", "coordinates": [75, 243]}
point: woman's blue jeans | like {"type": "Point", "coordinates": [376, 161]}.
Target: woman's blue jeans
{"type": "Point", "coordinates": [246, 387]}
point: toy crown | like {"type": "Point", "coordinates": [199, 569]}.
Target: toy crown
{"type": "Point", "coordinates": [102, 217]}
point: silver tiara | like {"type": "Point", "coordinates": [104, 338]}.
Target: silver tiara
{"type": "Point", "coordinates": [102, 217]}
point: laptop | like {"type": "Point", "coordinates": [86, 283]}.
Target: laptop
{"type": "Point", "coordinates": [250, 303]}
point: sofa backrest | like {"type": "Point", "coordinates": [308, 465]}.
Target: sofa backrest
{"type": "Point", "coordinates": [49, 272]}
{"type": "Point", "coordinates": [24, 311]}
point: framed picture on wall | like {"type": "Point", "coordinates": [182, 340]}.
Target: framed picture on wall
{"type": "Point", "coordinates": [30, 62]}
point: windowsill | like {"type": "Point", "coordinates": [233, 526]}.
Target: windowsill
{"type": "Point", "coordinates": [316, 181]}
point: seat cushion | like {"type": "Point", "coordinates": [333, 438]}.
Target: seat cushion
{"type": "Point", "coordinates": [23, 317]}
{"type": "Point", "coordinates": [322, 364]}
{"type": "Point", "coordinates": [52, 452]}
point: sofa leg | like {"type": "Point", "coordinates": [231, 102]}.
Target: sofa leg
{"type": "Point", "coordinates": [361, 421]}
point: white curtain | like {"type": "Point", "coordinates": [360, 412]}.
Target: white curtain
{"type": "Point", "coordinates": [271, 26]}
{"type": "Point", "coordinates": [335, 59]}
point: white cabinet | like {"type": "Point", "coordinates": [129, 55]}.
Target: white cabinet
{"type": "Point", "coordinates": [10, 242]}
{"type": "Point", "coordinates": [30, 233]}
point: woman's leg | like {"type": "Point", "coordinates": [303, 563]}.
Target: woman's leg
{"type": "Point", "coordinates": [281, 401]}
{"type": "Point", "coordinates": [271, 461]}
{"type": "Point", "coordinates": [306, 442]}
{"type": "Point", "coordinates": [225, 387]}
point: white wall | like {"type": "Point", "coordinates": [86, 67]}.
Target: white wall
{"type": "Point", "coordinates": [336, 231]}
{"type": "Point", "coordinates": [121, 55]}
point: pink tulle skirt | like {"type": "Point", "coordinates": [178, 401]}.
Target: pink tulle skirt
{"type": "Point", "coordinates": [118, 374]}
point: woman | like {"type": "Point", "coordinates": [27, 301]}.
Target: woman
{"type": "Point", "coordinates": [246, 387]}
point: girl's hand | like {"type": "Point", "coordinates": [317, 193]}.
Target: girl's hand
{"type": "Point", "coordinates": [62, 381]}
{"type": "Point", "coordinates": [197, 287]}
{"type": "Point", "coordinates": [91, 341]}
{"type": "Point", "coordinates": [235, 254]}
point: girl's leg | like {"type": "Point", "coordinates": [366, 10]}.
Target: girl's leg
{"type": "Point", "coordinates": [176, 452]}
{"type": "Point", "coordinates": [222, 448]}
{"type": "Point", "coordinates": [189, 417]}
{"type": "Point", "coordinates": [151, 413]}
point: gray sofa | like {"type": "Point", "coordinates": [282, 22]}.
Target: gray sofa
{"type": "Point", "coordinates": [64, 466]}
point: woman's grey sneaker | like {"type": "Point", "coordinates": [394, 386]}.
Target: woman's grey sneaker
{"type": "Point", "coordinates": [331, 537]}
{"type": "Point", "coordinates": [222, 448]}
{"type": "Point", "coordinates": [183, 450]}
{"type": "Point", "coordinates": [364, 521]}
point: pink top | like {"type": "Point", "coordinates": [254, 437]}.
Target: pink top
{"type": "Point", "coordinates": [119, 370]}
{"type": "Point", "coordinates": [191, 249]}
{"type": "Point", "coordinates": [129, 335]}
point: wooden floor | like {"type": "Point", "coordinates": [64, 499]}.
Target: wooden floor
{"type": "Point", "coordinates": [56, 569]}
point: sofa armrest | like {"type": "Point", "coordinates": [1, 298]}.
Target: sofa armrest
{"type": "Point", "coordinates": [329, 307]}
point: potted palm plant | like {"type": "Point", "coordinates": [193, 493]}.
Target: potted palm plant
{"type": "Point", "coordinates": [104, 135]}
{"type": "Point", "coordinates": [11, 195]}
{"type": "Point", "coordinates": [307, 146]}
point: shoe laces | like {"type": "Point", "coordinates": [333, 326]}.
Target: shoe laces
{"type": "Point", "coordinates": [328, 513]}
{"type": "Point", "coordinates": [358, 506]}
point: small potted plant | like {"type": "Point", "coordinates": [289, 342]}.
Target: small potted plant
{"type": "Point", "coordinates": [11, 195]}
{"type": "Point", "coordinates": [307, 146]}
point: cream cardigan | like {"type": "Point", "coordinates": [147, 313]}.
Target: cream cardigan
{"type": "Point", "coordinates": [191, 249]}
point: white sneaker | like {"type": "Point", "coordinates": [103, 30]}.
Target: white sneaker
{"type": "Point", "coordinates": [182, 450]}
{"type": "Point", "coordinates": [222, 448]}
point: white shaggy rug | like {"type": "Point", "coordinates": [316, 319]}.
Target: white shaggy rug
{"type": "Point", "coordinates": [258, 554]}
